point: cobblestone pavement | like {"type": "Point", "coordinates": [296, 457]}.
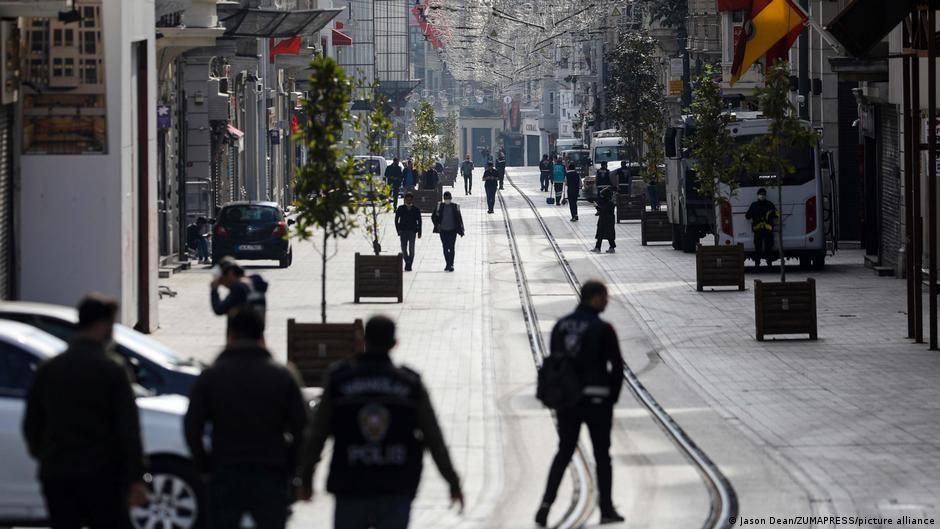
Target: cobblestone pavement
{"type": "Point", "coordinates": [851, 417]}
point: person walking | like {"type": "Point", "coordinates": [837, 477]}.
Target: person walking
{"type": "Point", "coordinates": [381, 420]}
{"type": "Point", "coordinates": [197, 238]}
{"type": "Point", "coordinates": [762, 213]}
{"type": "Point", "coordinates": [252, 409]}
{"type": "Point", "coordinates": [573, 182]}
{"type": "Point", "coordinates": [241, 290]}
{"type": "Point", "coordinates": [545, 173]}
{"type": "Point", "coordinates": [81, 425]}
{"type": "Point", "coordinates": [408, 226]}
{"type": "Point", "coordinates": [448, 222]}
{"type": "Point", "coordinates": [466, 170]}
{"type": "Point", "coordinates": [409, 176]}
{"type": "Point", "coordinates": [393, 176]}
{"type": "Point", "coordinates": [606, 223]}
{"type": "Point", "coordinates": [593, 346]}
{"type": "Point", "coordinates": [558, 180]}
{"type": "Point", "coordinates": [490, 185]}
{"type": "Point", "coordinates": [501, 167]}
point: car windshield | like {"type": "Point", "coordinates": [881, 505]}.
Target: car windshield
{"type": "Point", "coordinates": [578, 157]}
{"type": "Point", "coordinates": [148, 347]}
{"type": "Point", "coordinates": [234, 214]}
{"type": "Point", "coordinates": [613, 154]}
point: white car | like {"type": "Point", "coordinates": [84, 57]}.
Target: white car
{"type": "Point", "coordinates": [176, 492]}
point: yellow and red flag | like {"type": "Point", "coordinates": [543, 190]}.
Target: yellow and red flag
{"type": "Point", "coordinates": [771, 29]}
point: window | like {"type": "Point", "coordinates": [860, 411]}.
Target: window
{"type": "Point", "coordinates": [90, 42]}
{"type": "Point", "coordinates": [57, 37]}
{"type": "Point", "coordinates": [16, 370]}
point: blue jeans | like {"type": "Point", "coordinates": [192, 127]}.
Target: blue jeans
{"type": "Point", "coordinates": [372, 512]}
{"type": "Point", "coordinates": [408, 247]}
{"type": "Point", "coordinates": [202, 248]}
{"type": "Point", "coordinates": [260, 492]}
{"type": "Point", "coordinates": [396, 187]}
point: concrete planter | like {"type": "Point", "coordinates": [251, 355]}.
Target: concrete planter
{"type": "Point", "coordinates": [378, 276]}
{"type": "Point", "coordinates": [719, 266]}
{"type": "Point", "coordinates": [313, 347]}
{"type": "Point", "coordinates": [655, 227]}
{"type": "Point", "coordinates": [785, 308]}
{"type": "Point", "coordinates": [427, 199]}
{"type": "Point", "coordinates": [630, 207]}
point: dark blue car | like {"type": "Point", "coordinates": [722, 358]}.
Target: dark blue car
{"type": "Point", "coordinates": [252, 230]}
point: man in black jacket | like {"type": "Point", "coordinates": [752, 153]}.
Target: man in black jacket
{"type": "Point", "coordinates": [501, 167]}
{"type": "Point", "coordinates": [448, 222]}
{"type": "Point", "coordinates": [381, 419]}
{"type": "Point", "coordinates": [81, 424]}
{"type": "Point", "coordinates": [393, 174]}
{"type": "Point", "coordinates": [490, 185]}
{"type": "Point", "coordinates": [257, 415]}
{"type": "Point", "coordinates": [466, 170]}
{"type": "Point", "coordinates": [593, 344]}
{"type": "Point", "coordinates": [408, 226]}
{"type": "Point", "coordinates": [545, 173]}
{"type": "Point", "coordinates": [573, 182]}
{"type": "Point", "coordinates": [762, 213]}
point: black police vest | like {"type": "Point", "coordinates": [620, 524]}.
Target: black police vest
{"type": "Point", "coordinates": [603, 177]}
{"type": "Point", "coordinates": [377, 448]}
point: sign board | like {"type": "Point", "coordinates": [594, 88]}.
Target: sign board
{"type": "Point", "coordinates": [164, 117]}
{"type": "Point", "coordinates": [507, 99]}
{"type": "Point", "coordinates": [675, 68]}
{"type": "Point", "coordinates": [675, 87]}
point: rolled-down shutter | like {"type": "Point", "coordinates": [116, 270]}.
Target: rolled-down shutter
{"type": "Point", "coordinates": [890, 186]}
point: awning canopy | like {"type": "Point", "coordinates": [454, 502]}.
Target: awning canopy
{"type": "Point", "coordinates": [341, 39]}
{"type": "Point", "coordinates": [864, 23]}
{"type": "Point", "coordinates": [270, 23]}
{"type": "Point", "coordinates": [233, 131]}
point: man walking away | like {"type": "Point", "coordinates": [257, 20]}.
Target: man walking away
{"type": "Point", "coordinates": [381, 420]}
{"type": "Point", "coordinates": [606, 223]}
{"type": "Point", "coordinates": [393, 175]}
{"type": "Point", "coordinates": [545, 173]}
{"type": "Point", "coordinates": [408, 226]}
{"type": "Point", "coordinates": [490, 185]}
{"type": "Point", "coordinates": [573, 181]}
{"type": "Point", "coordinates": [257, 416]}
{"type": "Point", "coordinates": [558, 180]}
{"type": "Point", "coordinates": [762, 213]}
{"type": "Point", "coordinates": [501, 167]}
{"type": "Point", "coordinates": [241, 290]}
{"type": "Point", "coordinates": [82, 426]}
{"type": "Point", "coordinates": [448, 222]}
{"type": "Point", "coordinates": [593, 346]}
{"type": "Point", "coordinates": [466, 170]}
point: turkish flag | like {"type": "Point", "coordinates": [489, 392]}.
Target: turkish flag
{"type": "Point", "coordinates": [771, 29]}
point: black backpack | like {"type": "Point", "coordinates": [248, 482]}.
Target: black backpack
{"type": "Point", "coordinates": [559, 385]}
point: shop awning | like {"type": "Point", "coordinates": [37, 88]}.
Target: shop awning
{"type": "Point", "coordinates": [341, 39]}
{"type": "Point", "coordinates": [864, 23]}
{"type": "Point", "coordinates": [270, 23]}
{"type": "Point", "coordinates": [233, 131]}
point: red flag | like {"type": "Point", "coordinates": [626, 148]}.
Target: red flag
{"type": "Point", "coordinates": [289, 46]}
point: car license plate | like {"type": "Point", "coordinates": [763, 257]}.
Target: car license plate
{"type": "Point", "coordinates": [249, 247]}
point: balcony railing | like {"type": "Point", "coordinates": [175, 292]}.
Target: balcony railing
{"type": "Point", "coordinates": [172, 20]}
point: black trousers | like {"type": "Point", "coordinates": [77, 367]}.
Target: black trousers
{"type": "Point", "coordinates": [501, 174]}
{"type": "Point", "coordinates": [559, 187]}
{"type": "Point", "coordinates": [449, 242]}
{"type": "Point", "coordinates": [545, 179]}
{"type": "Point", "coordinates": [763, 246]}
{"type": "Point", "coordinates": [573, 202]}
{"type": "Point", "coordinates": [89, 501]}
{"type": "Point", "coordinates": [260, 492]}
{"type": "Point", "coordinates": [611, 241]}
{"type": "Point", "coordinates": [490, 186]}
{"type": "Point", "coordinates": [408, 247]}
{"type": "Point", "coordinates": [599, 419]}
{"type": "Point", "coordinates": [467, 184]}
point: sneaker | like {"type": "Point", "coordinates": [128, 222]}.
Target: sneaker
{"type": "Point", "coordinates": [595, 250]}
{"type": "Point", "coordinates": [611, 516]}
{"type": "Point", "coordinates": [541, 517]}
{"type": "Point", "coordinates": [611, 250]}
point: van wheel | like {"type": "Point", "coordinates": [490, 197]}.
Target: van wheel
{"type": "Point", "coordinates": [286, 261]}
{"type": "Point", "coordinates": [177, 497]}
{"type": "Point", "coordinates": [806, 263]}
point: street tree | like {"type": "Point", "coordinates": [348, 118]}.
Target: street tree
{"type": "Point", "coordinates": [711, 145]}
{"type": "Point", "coordinates": [424, 142]}
{"type": "Point", "coordinates": [448, 145]}
{"type": "Point", "coordinates": [326, 187]}
{"type": "Point", "coordinates": [376, 199]}
{"type": "Point", "coordinates": [787, 134]}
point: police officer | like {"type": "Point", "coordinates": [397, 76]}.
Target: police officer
{"type": "Point", "coordinates": [593, 344]}
{"type": "Point", "coordinates": [545, 173]}
{"type": "Point", "coordinates": [381, 419]}
{"type": "Point", "coordinates": [622, 177]}
{"type": "Point", "coordinates": [602, 178]}
{"type": "Point", "coordinates": [762, 215]}
{"type": "Point", "coordinates": [501, 167]}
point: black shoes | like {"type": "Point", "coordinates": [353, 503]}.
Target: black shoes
{"type": "Point", "coordinates": [541, 517]}
{"type": "Point", "coordinates": [610, 516]}
{"type": "Point", "coordinates": [449, 269]}
{"type": "Point", "coordinates": [489, 211]}
{"type": "Point", "coordinates": [408, 268]}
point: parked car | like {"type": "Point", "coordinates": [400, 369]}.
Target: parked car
{"type": "Point", "coordinates": [252, 230]}
{"type": "Point", "coordinates": [176, 492]}
{"type": "Point", "coordinates": [157, 368]}
{"type": "Point", "coordinates": [370, 166]}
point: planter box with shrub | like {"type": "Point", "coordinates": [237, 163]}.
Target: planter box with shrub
{"type": "Point", "coordinates": [719, 266]}
{"type": "Point", "coordinates": [378, 276]}
{"type": "Point", "coordinates": [785, 308]}
{"type": "Point", "coordinates": [630, 207]}
{"type": "Point", "coordinates": [655, 227]}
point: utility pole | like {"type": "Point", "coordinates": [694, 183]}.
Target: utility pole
{"type": "Point", "coordinates": [804, 68]}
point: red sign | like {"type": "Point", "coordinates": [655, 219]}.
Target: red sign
{"type": "Point", "coordinates": [734, 5]}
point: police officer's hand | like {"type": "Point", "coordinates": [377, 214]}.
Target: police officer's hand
{"type": "Point", "coordinates": [457, 498]}
{"type": "Point", "coordinates": [137, 495]}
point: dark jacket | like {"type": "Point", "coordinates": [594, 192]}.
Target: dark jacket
{"type": "Point", "coordinates": [370, 391]}
{"type": "Point", "coordinates": [81, 417]}
{"type": "Point", "coordinates": [594, 345]}
{"type": "Point", "coordinates": [438, 214]}
{"type": "Point", "coordinates": [573, 181]}
{"type": "Point", "coordinates": [408, 219]}
{"type": "Point", "coordinates": [466, 169]}
{"type": "Point", "coordinates": [606, 223]}
{"type": "Point", "coordinates": [602, 178]}
{"type": "Point", "coordinates": [430, 180]}
{"type": "Point", "coordinates": [490, 175]}
{"type": "Point", "coordinates": [545, 166]}
{"type": "Point", "coordinates": [252, 403]}
{"type": "Point", "coordinates": [762, 215]}
{"type": "Point", "coordinates": [250, 292]}
{"type": "Point", "coordinates": [393, 174]}
{"type": "Point", "coordinates": [501, 163]}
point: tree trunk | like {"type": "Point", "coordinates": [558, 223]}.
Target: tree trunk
{"type": "Point", "coordinates": [323, 280]}
{"type": "Point", "coordinates": [783, 268]}
{"type": "Point", "coordinates": [376, 246]}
